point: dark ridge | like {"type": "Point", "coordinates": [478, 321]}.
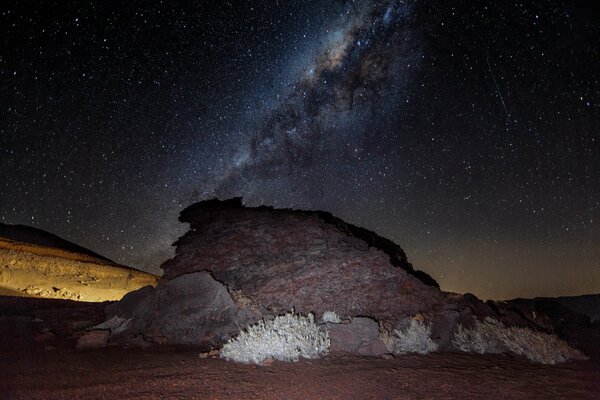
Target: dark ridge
{"type": "Point", "coordinates": [397, 255]}
{"type": "Point", "coordinates": [35, 236]}
{"type": "Point", "coordinates": [587, 306]}
{"type": "Point", "coordinates": [20, 306]}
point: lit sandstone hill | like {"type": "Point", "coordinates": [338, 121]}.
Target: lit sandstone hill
{"type": "Point", "coordinates": [34, 263]}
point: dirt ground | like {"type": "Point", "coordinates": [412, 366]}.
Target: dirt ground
{"type": "Point", "coordinates": [179, 373]}
{"type": "Point", "coordinates": [38, 360]}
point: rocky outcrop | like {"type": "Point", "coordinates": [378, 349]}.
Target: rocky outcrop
{"type": "Point", "coordinates": [239, 264]}
{"type": "Point", "coordinates": [192, 309]}
{"type": "Point", "coordinates": [587, 305]}
{"type": "Point", "coordinates": [307, 261]}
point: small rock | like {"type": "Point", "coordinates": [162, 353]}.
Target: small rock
{"type": "Point", "coordinates": [160, 339]}
{"type": "Point", "coordinates": [93, 339]}
{"type": "Point", "coordinates": [81, 324]}
{"type": "Point", "coordinates": [387, 356]}
{"type": "Point", "coordinates": [203, 355]}
{"type": "Point", "coordinates": [214, 353]}
{"type": "Point", "coordinates": [267, 362]}
{"type": "Point", "coordinates": [45, 337]}
{"type": "Point", "coordinates": [361, 336]}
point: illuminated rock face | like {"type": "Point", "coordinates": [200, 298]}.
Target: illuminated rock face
{"type": "Point", "coordinates": [307, 261]}
{"type": "Point", "coordinates": [39, 271]}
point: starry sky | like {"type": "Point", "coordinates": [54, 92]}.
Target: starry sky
{"type": "Point", "coordinates": [466, 131]}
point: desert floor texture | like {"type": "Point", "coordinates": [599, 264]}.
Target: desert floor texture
{"type": "Point", "coordinates": [180, 373]}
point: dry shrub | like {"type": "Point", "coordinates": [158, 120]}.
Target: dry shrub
{"type": "Point", "coordinates": [492, 336]}
{"type": "Point", "coordinates": [286, 338]}
{"type": "Point", "coordinates": [414, 339]}
{"type": "Point", "coordinates": [332, 317]}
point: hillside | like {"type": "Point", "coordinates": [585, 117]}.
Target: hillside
{"type": "Point", "coordinates": [50, 267]}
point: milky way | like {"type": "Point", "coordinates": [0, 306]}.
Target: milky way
{"type": "Point", "coordinates": [465, 131]}
{"type": "Point", "coordinates": [356, 78]}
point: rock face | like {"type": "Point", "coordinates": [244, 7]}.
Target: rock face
{"type": "Point", "coordinates": [192, 309]}
{"type": "Point", "coordinates": [307, 261]}
{"type": "Point", "coordinates": [237, 265]}
{"type": "Point", "coordinates": [361, 336]}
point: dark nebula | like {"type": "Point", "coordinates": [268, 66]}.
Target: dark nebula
{"type": "Point", "coordinates": [465, 131]}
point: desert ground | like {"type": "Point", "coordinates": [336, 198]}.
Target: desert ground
{"type": "Point", "coordinates": [179, 373]}
{"type": "Point", "coordinates": [38, 360]}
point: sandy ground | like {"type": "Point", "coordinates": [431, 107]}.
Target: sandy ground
{"type": "Point", "coordinates": [38, 361]}
{"type": "Point", "coordinates": [38, 271]}
{"type": "Point", "coordinates": [177, 373]}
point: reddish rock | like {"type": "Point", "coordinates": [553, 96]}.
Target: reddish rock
{"type": "Point", "coordinates": [307, 261]}
{"type": "Point", "coordinates": [93, 339]}
{"type": "Point", "coordinates": [443, 326]}
{"type": "Point", "coordinates": [239, 264]}
{"type": "Point", "coordinates": [45, 336]}
{"type": "Point", "coordinates": [361, 336]}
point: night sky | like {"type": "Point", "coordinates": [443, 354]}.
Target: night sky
{"type": "Point", "coordinates": [466, 131]}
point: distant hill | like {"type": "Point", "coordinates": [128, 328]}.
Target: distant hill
{"type": "Point", "coordinates": [575, 319]}
{"type": "Point", "coordinates": [587, 305]}
{"type": "Point", "coordinates": [35, 263]}
{"type": "Point", "coordinates": [31, 235]}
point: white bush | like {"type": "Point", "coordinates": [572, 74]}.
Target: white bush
{"type": "Point", "coordinates": [484, 337]}
{"type": "Point", "coordinates": [492, 336]}
{"type": "Point", "coordinates": [331, 316]}
{"type": "Point", "coordinates": [286, 338]}
{"type": "Point", "coordinates": [414, 339]}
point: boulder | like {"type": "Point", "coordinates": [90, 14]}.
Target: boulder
{"type": "Point", "coordinates": [360, 336]}
{"type": "Point", "coordinates": [192, 309]}
{"type": "Point", "coordinates": [46, 336]}
{"type": "Point", "coordinates": [96, 338]}
{"type": "Point", "coordinates": [443, 326]}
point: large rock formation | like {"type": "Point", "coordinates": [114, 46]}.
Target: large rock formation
{"type": "Point", "coordinates": [307, 261]}
{"type": "Point", "coordinates": [239, 264]}
{"type": "Point", "coordinates": [264, 261]}
{"type": "Point", "coordinates": [192, 309]}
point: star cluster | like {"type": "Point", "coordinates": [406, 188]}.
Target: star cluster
{"type": "Point", "coordinates": [466, 131]}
